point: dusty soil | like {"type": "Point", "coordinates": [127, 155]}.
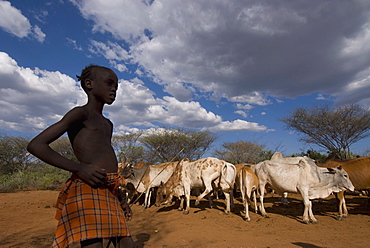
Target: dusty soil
{"type": "Point", "coordinates": [27, 220]}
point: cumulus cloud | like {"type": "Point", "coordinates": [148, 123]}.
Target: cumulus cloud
{"type": "Point", "coordinates": [229, 49]}
{"type": "Point", "coordinates": [32, 99]}
{"type": "Point", "coordinates": [237, 125]}
{"type": "Point", "coordinates": [13, 21]}
{"type": "Point", "coordinates": [136, 105]}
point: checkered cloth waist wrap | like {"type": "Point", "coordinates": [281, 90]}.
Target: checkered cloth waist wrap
{"type": "Point", "coordinates": [87, 213]}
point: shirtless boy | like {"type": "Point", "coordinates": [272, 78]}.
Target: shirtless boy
{"type": "Point", "coordinates": [89, 206]}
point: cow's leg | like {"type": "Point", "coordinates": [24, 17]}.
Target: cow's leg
{"type": "Point", "coordinates": [208, 189]}
{"type": "Point", "coordinates": [262, 193]}
{"type": "Point", "coordinates": [210, 200]}
{"type": "Point", "coordinates": [232, 205]}
{"type": "Point", "coordinates": [247, 218]}
{"type": "Point", "coordinates": [204, 193]}
{"type": "Point", "coordinates": [187, 198]}
{"type": "Point", "coordinates": [242, 191]}
{"type": "Point", "coordinates": [342, 208]}
{"type": "Point", "coordinates": [227, 201]}
{"type": "Point", "coordinates": [307, 213]}
{"type": "Point", "coordinates": [246, 202]}
{"type": "Point", "coordinates": [147, 196]}
{"type": "Point", "coordinates": [181, 207]}
{"type": "Point", "coordinates": [255, 201]}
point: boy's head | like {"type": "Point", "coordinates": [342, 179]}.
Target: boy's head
{"type": "Point", "coordinates": [90, 72]}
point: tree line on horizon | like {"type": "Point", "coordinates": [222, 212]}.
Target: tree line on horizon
{"type": "Point", "coordinates": [333, 129]}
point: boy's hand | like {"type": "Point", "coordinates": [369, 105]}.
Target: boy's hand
{"type": "Point", "coordinates": [127, 210]}
{"type": "Point", "coordinates": [92, 174]}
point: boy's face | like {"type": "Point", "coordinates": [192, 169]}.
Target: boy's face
{"type": "Point", "coordinates": [105, 86]}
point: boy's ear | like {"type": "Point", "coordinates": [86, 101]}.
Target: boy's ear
{"type": "Point", "coordinates": [88, 84]}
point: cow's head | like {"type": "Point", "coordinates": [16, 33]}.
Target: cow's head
{"type": "Point", "coordinates": [127, 172]}
{"type": "Point", "coordinates": [341, 179]}
{"type": "Point", "coordinates": [161, 196]}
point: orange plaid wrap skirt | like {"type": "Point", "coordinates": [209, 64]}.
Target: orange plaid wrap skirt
{"type": "Point", "coordinates": [87, 213]}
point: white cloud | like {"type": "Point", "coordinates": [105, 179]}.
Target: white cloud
{"type": "Point", "coordinates": [242, 113]}
{"type": "Point", "coordinates": [320, 97]}
{"type": "Point", "coordinates": [357, 90]}
{"type": "Point", "coordinates": [110, 50]}
{"type": "Point", "coordinates": [38, 34]}
{"type": "Point", "coordinates": [13, 21]}
{"type": "Point", "coordinates": [179, 91]}
{"type": "Point", "coordinates": [237, 125]}
{"type": "Point", "coordinates": [272, 49]}
{"type": "Point", "coordinates": [137, 106]}
{"type": "Point", "coordinates": [32, 98]}
{"type": "Point", "coordinates": [252, 98]}
{"type": "Point", "coordinates": [244, 106]}
{"type": "Point", "coordinates": [120, 67]}
{"type": "Point", "coordinates": [74, 44]}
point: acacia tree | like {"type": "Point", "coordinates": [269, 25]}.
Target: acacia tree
{"type": "Point", "coordinates": [242, 152]}
{"type": "Point", "coordinates": [128, 149]}
{"type": "Point", "coordinates": [13, 154]}
{"type": "Point", "coordinates": [335, 129]}
{"type": "Point", "coordinates": [63, 147]}
{"type": "Point", "coordinates": [170, 144]}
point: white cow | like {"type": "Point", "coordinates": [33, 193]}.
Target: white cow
{"type": "Point", "coordinates": [247, 182]}
{"type": "Point", "coordinates": [149, 176]}
{"type": "Point", "coordinates": [206, 173]}
{"type": "Point", "coordinates": [277, 156]}
{"type": "Point", "coordinates": [305, 178]}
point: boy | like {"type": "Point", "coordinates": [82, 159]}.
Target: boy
{"type": "Point", "coordinates": [89, 206]}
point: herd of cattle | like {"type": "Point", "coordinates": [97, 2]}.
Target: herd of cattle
{"type": "Point", "coordinates": [281, 174]}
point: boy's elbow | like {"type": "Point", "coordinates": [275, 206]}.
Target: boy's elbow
{"type": "Point", "coordinates": [31, 147]}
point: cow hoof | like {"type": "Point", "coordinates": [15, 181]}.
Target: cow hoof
{"type": "Point", "coordinates": [315, 222]}
{"type": "Point", "coordinates": [226, 212]}
{"type": "Point", "coordinates": [247, 219]}
{"type": "Point", "coordinates": [339, 218]}
{"type": "Point", "coordinates": [197, 203]}
{"type": "Point", "coordinates": [186, 212]}
{"type": "Point", "coordinates": [306, 222]}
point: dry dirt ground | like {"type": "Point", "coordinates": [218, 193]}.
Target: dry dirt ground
{"type": "Point", "coordinates": [27, 220]}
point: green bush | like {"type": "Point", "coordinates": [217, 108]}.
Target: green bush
{"type": "Point", "coordinates": [41, 178]}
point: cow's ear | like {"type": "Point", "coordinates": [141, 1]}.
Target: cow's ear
{"type": "Point", "coordinates": [331, 170]}
{"type": "Point", "coordinates": [339, 167]}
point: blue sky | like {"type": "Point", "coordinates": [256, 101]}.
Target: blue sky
{"type": "Point", "coordinates": [231, 67]}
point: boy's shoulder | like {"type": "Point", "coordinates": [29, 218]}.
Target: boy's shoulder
{"type": "Point", "coordinates": [79, 113]}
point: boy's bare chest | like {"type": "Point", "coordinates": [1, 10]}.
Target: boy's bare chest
{"type": "Point", "coordinates": [98, 126]}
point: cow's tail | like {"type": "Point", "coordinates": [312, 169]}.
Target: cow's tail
{"type": "Point", "coordinates": [228, 174]}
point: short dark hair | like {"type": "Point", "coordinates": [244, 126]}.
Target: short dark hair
{"type": "Point", "coordinates": [89, 72]}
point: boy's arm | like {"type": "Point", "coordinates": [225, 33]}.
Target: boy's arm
{"type": "Point", "coordinates": [39, 146]}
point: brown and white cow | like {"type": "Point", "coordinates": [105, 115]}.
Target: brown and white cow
{"type": "Point", "coordinates": [359, 173]}
{"type": "Point", "coordinates": [305, 178]}
{"type": "Point", "coordinates": [247, 182]}
{"type": "Point", "coordinates": [207, 173]}
{"type": "Point", "coordinates": [147, 177]}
